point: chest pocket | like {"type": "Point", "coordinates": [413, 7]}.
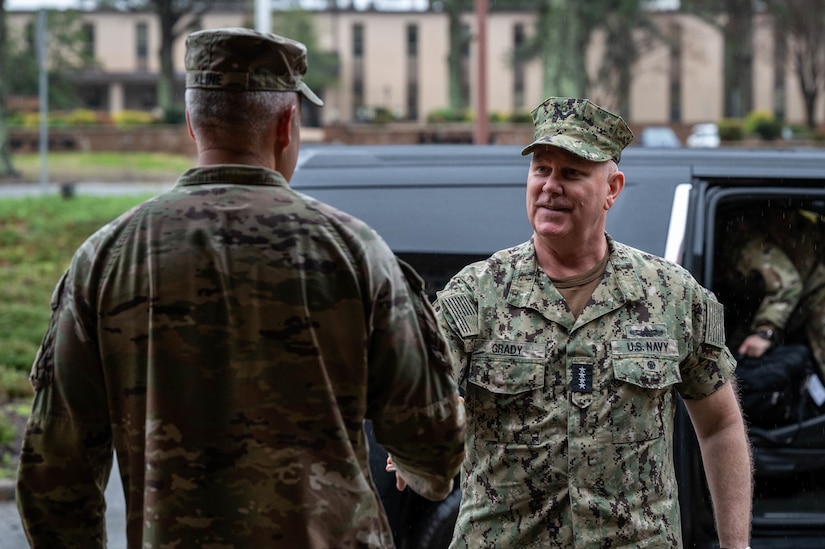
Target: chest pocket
{"type": "Point", "coordinates": [643, 396]}
{"type": "Point", "coordinates": [502, 379]}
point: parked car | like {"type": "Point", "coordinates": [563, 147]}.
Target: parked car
{"type": "Point", "coordinates": [443, 206]}
{"type": "Point", "coordinates": [659, 136]}
{"type": "Point", "coordinates": [704, 136]}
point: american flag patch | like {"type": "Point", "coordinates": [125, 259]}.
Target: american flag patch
{"type": "Point", "coordinates": [464, 314]}
{"type": "Point", "coordinates": [714, 323]}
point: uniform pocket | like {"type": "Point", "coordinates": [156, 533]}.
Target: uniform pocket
{"type": "Point", "coordinates": [643, 396]}
{"type": "Point", "coordinates": [507, 377]}
{"type": "Point", "coordinates": [502, 378]}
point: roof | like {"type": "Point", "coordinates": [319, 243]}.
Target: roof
{"type": "Point", "coordinates": [469, 199]}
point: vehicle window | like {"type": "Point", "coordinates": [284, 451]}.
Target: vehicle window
{"type": "Point", "coordinates": [765, 242]}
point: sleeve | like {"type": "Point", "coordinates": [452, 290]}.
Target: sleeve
{"type": "Point", "coordinates": [457, 313]}
{"type": "Point", "coordinates": [66, 455]}
{"type": "Point", "coordinates": [419, 418]}
{"type": "Point", "coordinates": [709, 363]}
{"type": "Point", "coordinates": [781, 279]}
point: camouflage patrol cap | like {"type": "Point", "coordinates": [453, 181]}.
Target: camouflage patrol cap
{"type": "Point", "coordinates": [581, 127]}
{"type": "Point", "coordinates": [246, 60]}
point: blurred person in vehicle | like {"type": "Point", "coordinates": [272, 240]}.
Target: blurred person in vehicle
{"type": "Point", "coordinates": [782, 249]}
{"type": "Point", "coordinates": [572, 349]}
{"type": "Point", "coordinates": [228, 339]}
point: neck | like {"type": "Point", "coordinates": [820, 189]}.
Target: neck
{"type": "Point", "coordinates": [565, 261]}
{"type": "Point", "coordinates": [212, 156]}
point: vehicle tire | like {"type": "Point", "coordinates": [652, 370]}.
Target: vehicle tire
{"type": "Point", "coordinates": [435, 528]}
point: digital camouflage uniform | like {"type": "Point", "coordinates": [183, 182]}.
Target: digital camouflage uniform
{"type": "Point", "coordinates": [570, 421]}
{"type": "Point", "coordinates": [792, 274]}
{"type": "Point", "coordinates": [228, 339]}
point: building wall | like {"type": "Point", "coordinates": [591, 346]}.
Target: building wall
{"type": "Point", "coordinates": [125, 83]}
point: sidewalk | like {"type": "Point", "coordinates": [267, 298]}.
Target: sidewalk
{"type": "Point", "coordinates": [11, 529]}
{"type": "Point", "coordinates": [91, 187]}
{"type": "Point", "coordinates": [7, 489]}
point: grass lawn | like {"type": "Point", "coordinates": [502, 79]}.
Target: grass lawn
{"type": "Point", "coordinates": [67, 167]}
{"type": "Point", "coordinates": [38, 236]}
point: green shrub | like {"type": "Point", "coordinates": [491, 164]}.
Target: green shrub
{"type": "Point", "coordinates": [764, 124]}
{"type": "Point", "coordinates": [16, 119]}
{"type": "Point", "coordinates": [81, 117]}
{"type": "Point", "coordinates": [498, 117]}
{"type": "Point", "coordinates": [30, 120]}
{"type": "Point", "coordinates": [132, 118]}
{"type": "Point", "coordinates": [522, 117]}
{"type": "Point", "coordinates": [449, 114]}
{"type": "Point", "coordinates": [382, 115]}
{"type": "Point", "coordinates": [731, 129]}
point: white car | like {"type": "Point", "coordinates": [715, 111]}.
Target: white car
{"type": "Point", "coordinates": [704, 136]}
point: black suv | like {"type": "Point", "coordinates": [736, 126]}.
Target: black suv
{"type": "Point", "coordinates": [443, 206]}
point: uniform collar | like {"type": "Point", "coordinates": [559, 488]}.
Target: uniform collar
{"type": "Point", "coordinates": [621, 284]}
{"type": "Point", "coordinates": [231, 174]}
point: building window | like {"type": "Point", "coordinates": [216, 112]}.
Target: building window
{"type": "Point", "coordinates": [142, 46]}
{"type": "Point", "coordinates": [464, 85]}
{"type": "Point", "coordinates": [518, 68]}
{"type": "Point", "coordinates": [412, 72]}
{"type": "Point", "coordinates": [31, 37]}
{"type": "Point", "coordinates": [358, 70]}
{"type": "Point", "coordinates": [358, 40]}
{"type": "Point", "coordinates": [88, 40]}
{"type": "Point", "coordinates": [675, 73]}
{"type": "Point", "coordinates": [780, 56]}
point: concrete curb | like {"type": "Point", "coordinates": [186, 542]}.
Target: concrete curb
{"type": "Point", "coordinates": [7, 486]}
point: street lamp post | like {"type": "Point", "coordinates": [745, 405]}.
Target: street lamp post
{"type": "Point", "coordinates": [481, 133]}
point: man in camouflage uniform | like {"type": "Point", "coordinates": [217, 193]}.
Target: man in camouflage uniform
{"type": "Point", "coordinates": [228, 339]}
{"type": "Point", "coordinates": [571, 348]}
{"type": "Point", "coordinates": [792, 278]}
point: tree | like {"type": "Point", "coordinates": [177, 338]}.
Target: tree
{"type": "Point", "coordinates": [629, 31]}
{"type": "Point", "coordinates": [563, 33]}
{"type": "Point", "coordinates": [6, 167]}
{"type": "Point", "coordinates": [67, 53]}
{"type": "Point", "coordinates": [175, 19]}
{"type": "Point", "coordinates": [556, 29]}
{"type": "Point", "coordinates": [459, 40]}
{"type": "Point", "coordinates": [800, 22]}
{"type": "Point", "coordinates": [323, 66]}
{"type": "Point", "coordinates": [734, 18]}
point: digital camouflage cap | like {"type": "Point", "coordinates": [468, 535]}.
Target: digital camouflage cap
{"type": "Point", "coordinates": [581, 127]}
{"type": "Point", "coordinates": [246, 60]}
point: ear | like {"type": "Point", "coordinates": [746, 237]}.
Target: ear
{"type": "Point", "coordinates": [283, 130]}
{"type": "Point", "coordinates": [189, 125]}
{"type": "Point", "coordinates": [615, 184]}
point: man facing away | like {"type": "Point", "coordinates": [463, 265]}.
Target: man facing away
{"type": "Point", "coordinates": [571, 349]}
{"type": "Point", "coordinates": [228, 339]}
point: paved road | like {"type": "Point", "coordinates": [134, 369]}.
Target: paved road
{"type": "Point", "coordinates": [34, 189]}
{"type": "Point", "coordinates": [11, 531]}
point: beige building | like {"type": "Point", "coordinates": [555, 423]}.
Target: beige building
{"type": "Point", "coordinates": [397, 62]}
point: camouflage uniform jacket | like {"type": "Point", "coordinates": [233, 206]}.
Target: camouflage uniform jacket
{"type": "Point", "coordinates": [570, 421]}
{"type": "Point", "coordinates": [792, 273]}
{"type": "Point", "coordinates": [228, 341]}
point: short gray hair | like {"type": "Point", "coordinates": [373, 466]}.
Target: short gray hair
{"type": "Point", "coordinates": [246, 113]}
